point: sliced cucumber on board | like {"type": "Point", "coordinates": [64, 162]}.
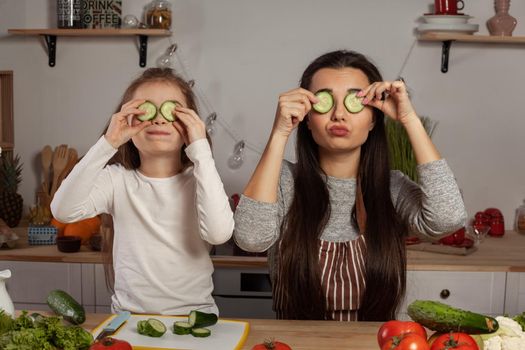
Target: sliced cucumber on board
{"type": "Point", "coordinates": [199, 319]}
{"type": "Point", "coordinates": [200, 332]}
{"type": "Point", "coordinates": [445, 318]}
{"type": "Point", "coordinates": [66, 306]}
{"type": "Point", "coordinates": [326, 101]}
{"type": "Point", "coordinates": [150, 109]}
{"type": "Point", "coordinates": [167, 108]}
{"type": "Point", "coordinates": [182, 328]}
{"type": "Point", "coordinates": [353, 103]}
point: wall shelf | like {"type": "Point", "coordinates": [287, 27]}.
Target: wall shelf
{"type": "Point", "coordinates": [50, 36]}
{"type": "Point", "coordinates": [448, 38]}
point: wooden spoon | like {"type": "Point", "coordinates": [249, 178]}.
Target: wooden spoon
{"type": "Point", "coordinates": [72, 159]}
{"type": "Point", "coordinates": [59, 163]}
{"type": "Point", "coordinates": [47, 158]}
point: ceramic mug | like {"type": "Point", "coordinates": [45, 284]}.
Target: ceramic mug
{"type": "Point", "coordinates": [448, 7]}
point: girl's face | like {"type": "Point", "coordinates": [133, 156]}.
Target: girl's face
{"type": "Point", "coordinates": [161, 137]}
{"type": "Point", "coordinates": [338, 130]}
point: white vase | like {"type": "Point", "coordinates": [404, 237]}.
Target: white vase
{"type": "Point", "coordinates": [6, 303]}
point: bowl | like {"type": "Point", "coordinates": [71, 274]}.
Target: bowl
{"type": "Point", "coordinates": [69, 244]}
{"type": "Point", "coordinates": [446, 19]}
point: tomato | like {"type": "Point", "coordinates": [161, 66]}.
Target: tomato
{"type": "Point", "coordinates": [396, 328]}
{"type": "Point", "coordinates": [407, 341]}
{"type": "Point", "coordinates": [454, 341]}
{"type": "Point", "coordinates": [110, 344]}
{"type": "Point", "coordinates": [271, 345]}
{"type": "Point", "coordinates": [455, 238]}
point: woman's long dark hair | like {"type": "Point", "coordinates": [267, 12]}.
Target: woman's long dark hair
{"type": "Point", "coordinates": [310, 209]}
{"type": "Point", "coordinates": [128, 155]}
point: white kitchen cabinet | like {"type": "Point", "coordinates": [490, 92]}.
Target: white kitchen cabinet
{"type": "Point", "coordinates": [31, 282]}
{"type": "Point", "coordinates": [515, 293]}
{"type": "Point", "coordinates": [481, 292]}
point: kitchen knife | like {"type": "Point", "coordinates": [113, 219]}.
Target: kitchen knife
{"type": "Point", "coordinates": [114, 325]}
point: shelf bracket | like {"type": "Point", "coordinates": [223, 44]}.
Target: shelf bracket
{"type": "Point", "coordinates": [51, 43]}
{"type": "Point", "coordinates": [143, 50]}
{"type": "Point", "coordinates": [444, 55]}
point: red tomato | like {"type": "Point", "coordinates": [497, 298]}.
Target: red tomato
{"type": "Point", "coordinates": [397, 328]}
{"type": "Point", "coordinates": [455, 238]}
{"type": "Point", "coordinates": [271, 345]}
{"type": "Point", "coordinates": [408, 341]}
{"type": "Point", "coordinates": [457, 341]}
{"type": "Point", "coordinates": [110, 344]}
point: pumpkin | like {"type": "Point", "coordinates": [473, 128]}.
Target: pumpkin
{"type": "Point", "coordinates": [59, 226]}
{"type": "Point", "coordinates": [83, 228]}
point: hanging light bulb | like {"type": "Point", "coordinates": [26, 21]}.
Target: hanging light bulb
{"type": "Point", "coordinates": [165, 61]}
{"type": "Point", "coordinates": [210, 123]}
{"type": "Point", "coordinates": [236, 159]}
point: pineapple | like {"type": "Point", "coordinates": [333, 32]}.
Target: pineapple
{"type": "Point", "coordinates": [10, 201]}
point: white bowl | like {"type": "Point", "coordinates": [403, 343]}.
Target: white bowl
{"type": "Point", "coordinates": [446, 19]}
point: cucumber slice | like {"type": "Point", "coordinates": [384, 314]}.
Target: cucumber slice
{"type": "Point", "coordinates": [200, 319]}
{"type": "Point", "coordinates": [182, 328]}
{"type": "Point", "coordinates": [167, 108]}
{"type": "Point", "coordinates": [326, 101]}
{"type": "Point", "coordinates": [353, 103]}
{"type": "Point", "coordinates": [154, 327]}
{"type": "Point", "coordinates": [141, 327]}
{"type": "Point", "coordinates": [200, 332]}
{"type": "Point", "coordinates": [150, 109]}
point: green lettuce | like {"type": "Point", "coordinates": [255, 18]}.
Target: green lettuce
{"type": "Point", "coordinates": [520, 319]}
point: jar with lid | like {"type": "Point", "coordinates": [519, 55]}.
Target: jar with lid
{"type": "Point", "coordinates": [519, 223]}
{"type": "Point", "coordinates": [158, 14]}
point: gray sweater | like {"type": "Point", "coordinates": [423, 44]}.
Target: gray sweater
{"type": "Point", "coordinates": [431, 208]}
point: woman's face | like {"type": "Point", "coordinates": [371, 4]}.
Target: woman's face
{"type": "Point", "coordinates": [161, 137]}
{"type": "Point", "coordinates": [338, 130]}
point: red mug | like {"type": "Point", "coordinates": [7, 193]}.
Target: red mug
{"type": "Point", "coordinates": [448, 7]}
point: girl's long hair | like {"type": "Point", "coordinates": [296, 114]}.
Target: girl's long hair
{"type": "Point", "coordinates": [310, 209]}
{"type": "Point", "coordinates": [128, 155]}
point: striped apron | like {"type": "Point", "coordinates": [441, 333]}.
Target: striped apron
{"type": "Point", "coordinates": [342, 267]}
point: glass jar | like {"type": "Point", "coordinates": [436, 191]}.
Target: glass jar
{"type": "Point", "coordinates": [519, 223]}
{"type": "Point", "coordinates": [158, 14]}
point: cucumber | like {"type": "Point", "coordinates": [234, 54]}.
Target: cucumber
{"type": "Point", "coordinates": [66, 306]}
{"type": "Point", "coordinates": [353, 103]}
{"type": "Point", "coordinates": [167, 108]}
{"type": "Point", "coordinates": [326, 101]}
{"type": "Point", "coordinates": [141, 327]}
{"type": "Point", "coordinates": [445, 318]}
{"type": "Point", "coordinates": [182, 328]}
{"type": "Point", "coordinates": [154, 328]}
{"type": "Point", "coordinates": [150, 109]}
{"type": "Point", "coordinates": [200, 332]}
{"type": "Point", "coordinates": [198, 319]}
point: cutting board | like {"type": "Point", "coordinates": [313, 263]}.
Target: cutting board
{"type": "Point", "coordinates": [225, 335]}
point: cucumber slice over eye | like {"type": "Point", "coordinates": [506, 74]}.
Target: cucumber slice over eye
{"type": "Point", "coordinates": [326, 102]}
{"type": "Point", "coordinates": [167, 108]}
{"type": "Point", "coordinates": [150, 109]}
{"type": "Point", "coordinates": [353, 103]}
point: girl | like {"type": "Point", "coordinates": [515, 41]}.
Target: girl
{"type": "Point", "coordinates": [335, 221]}
{"type": "Point", "coordinates": [165, 196]}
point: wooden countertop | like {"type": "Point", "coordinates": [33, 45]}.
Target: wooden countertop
{"type": "Point", "coordinates": [494, 254]}
{"type": "Point", "coordinates": [300, 335]}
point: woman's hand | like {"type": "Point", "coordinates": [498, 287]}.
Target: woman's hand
{"type": "Point", "coordinates": [293, 106]}
{"type": "Point", "coordinates": [189, 125]}
{"type": "Point", "coordinates": [396, 103]}
{"type": "Point", "coordinates": [121, 129]}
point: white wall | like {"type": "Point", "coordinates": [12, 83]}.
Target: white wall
{"type": "Point", "coordinates": [243, 53]}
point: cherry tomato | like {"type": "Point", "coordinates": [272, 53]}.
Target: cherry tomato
{"type": "Point", "coordinates": [455, 238]}
{"type": "Point", "coordinates": [397, 328]}
{"type": "Point", "coordinates": [454, 341]}
{"type": "Point", "coordinates": [271, 345]}
{"type": "Point", "coordinates": [110, 344]}
{"type": "Point", "coordinates": [408, 341]}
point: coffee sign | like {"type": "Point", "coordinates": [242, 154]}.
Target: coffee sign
{"type": "Point", "coordinates": [101, 13]}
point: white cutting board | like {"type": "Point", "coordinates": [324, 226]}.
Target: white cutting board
{"type": "Point", "coordinates": [225, 335]}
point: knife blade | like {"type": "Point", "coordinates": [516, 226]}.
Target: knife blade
{"type": "Point", "coordinates": [114, 325]}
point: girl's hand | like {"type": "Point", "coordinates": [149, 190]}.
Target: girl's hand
{"type": "Point", "coordinates": [396, 103]}
{"type": "Point", "coordinates": [120, 130]}
{"type": "Point", "coordinates": [293, 106]}
{"type": "Point", "coordinates": [189, 125]}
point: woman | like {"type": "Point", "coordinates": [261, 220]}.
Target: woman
{"type": "Point", "coordinates": [335, 222]}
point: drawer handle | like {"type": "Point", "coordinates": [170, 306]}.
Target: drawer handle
{"type": "Point", "coordinates": [445, 293]}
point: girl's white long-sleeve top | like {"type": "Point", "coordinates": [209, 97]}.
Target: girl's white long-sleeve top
{"type": "Point", "coordinates": [163, 227]}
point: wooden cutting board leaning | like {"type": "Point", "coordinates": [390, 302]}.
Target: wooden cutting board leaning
{"type": "Point", "coordinates": [225, 334]}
